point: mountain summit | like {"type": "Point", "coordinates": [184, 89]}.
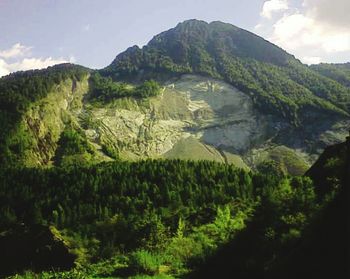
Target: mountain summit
{"type": "Point", "coordinates": [197, 46]}
{"type": "Point", "coordinates": [198, 91]}
{"type": "Point", "coordinates": [236, 122]}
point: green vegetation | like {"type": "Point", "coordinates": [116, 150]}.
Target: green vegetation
{"type": "Point", "coordinates": [282, 158]}
{"type": "Point", "coordinates": [110, 151]}
{"type": "Point", "coordinates": [278, 83]}
{"type": "Point", "coordinates": [172, 218]}
{"type": "Point", "coordinates": [72, 142]}
{"type": "Point", "coordinates": [18, 92]}
{"type": "Point", "coordinates": [104, 89]}
{"type": "Point", "coordinates": [268, 249]}
{"type": "Point", "coordinates": [154, 217]}
{"type": "Point", "coordinates": [338, 72]}
{"type": "Point", "coordinates": [73, 148]}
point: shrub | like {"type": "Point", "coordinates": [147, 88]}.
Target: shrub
{"type": "Point", "coordinates": [145, 262]}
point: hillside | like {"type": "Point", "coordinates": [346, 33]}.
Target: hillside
{"type": "Point", "coordinates": [275, 79]}
{"type": "Point", "coordinates": [34, 108]}
{"type": "Point", "coordinates": [174, 219]}
{"type": "Point", "coordinates": [323, 250]}
{"type": "Point", "coordinates": [223, 94]}
{"type": "Point", "coordinates": [338, 72]}
{"type": "Point", "coordinates": [184, 158]}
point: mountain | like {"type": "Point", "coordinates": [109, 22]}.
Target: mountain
{"type": "Point", "coordinates": [338, 72]}
{"type": "Point", "coordinates": [221, 93]}
{"type": "Point", "coordinates": [81, 184]}
{"type": "Point", "coordinates": [175, 219]}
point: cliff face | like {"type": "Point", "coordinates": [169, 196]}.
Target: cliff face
{"type": "Point", "coordinates": [194, 117]}
{"type": "Point", "coordinates": [193, 109]}
{"type": "Point", "coordinates": [44, 122]}
{"type": "Point", "coordinates": [227, 95]}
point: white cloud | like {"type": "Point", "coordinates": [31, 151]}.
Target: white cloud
{"type": "Point", "coordinates": [37, 63]}
{"type": "Point", "coordinates": [300, 31]}
{"type": "Point", "coordinates": [329, 12]}
{"type": "Point", "coordinates": [311, 60]}
{"type": "Point", "coordinates": [17, 50]}
{"type": "Point", "coordinates": [316, 32]}
{"type": "Point", "coordinates": [290, 27]}
{"type": "Point", "coordinates": [258, 26]}
{"type": "Point", "coordinates": [273, 6]}
{"type": "Point", "coordinates": [3, 68]}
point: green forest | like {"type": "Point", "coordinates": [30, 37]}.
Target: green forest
{"type": "Point", "coordinates": [20, 91]}
{"type": "Point", "coordinates": [85, 213]}
{"type": "Point", "coordinates": [157, 217]}
{"type": "Point", "coordinates": [104, 89]}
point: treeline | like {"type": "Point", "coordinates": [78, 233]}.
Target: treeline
{"type": "Point", "coordinates": [104, 89]}
{"type": "Point", "coordinates": [79, 194]}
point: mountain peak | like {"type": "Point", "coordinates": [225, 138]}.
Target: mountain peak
{"type": "Point", "coordinates": [193, 23]}
{"type": "Point", "coordinates": [198, 47]}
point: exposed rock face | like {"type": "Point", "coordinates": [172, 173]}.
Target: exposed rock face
{"type": "Point", "coordinates": [199, 118]}
{"type": "Point", "coordinates": [45, 121]}
{"type": "Point", "coordinates": [283, 111]}
{"type": "Point", "coordinates": [209, 112]}
{"type": "Point", "coordinates": [195, 117]}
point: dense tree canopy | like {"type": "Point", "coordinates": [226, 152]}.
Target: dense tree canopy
{"type": "Point", "coordinates": [157, 213]}
{"type": "Point", "coordinates": [104, 89]}
{"type": "Point", "coordinates": [171, 217]}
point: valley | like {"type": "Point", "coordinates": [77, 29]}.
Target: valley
{"type": "Point", "coordinates": [208, 150]}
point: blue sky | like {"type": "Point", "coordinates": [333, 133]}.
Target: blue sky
{"type": "Point", "coordinates": [39, 33]}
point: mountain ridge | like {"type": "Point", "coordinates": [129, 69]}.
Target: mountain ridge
{"type": "Point", "coordinates": [204, 70]}
{"type": "Point", "coordinates": [188, 158]}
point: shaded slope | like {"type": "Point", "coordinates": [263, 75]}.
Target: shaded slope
{"type": "Point", "coordinates": [338, 72]}
{"type": "Point", "coordinates": [323, 250]}
{"type": "Point", "coordinates": [36, 247]}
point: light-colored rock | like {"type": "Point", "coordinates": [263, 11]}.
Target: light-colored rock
{"type": "Point", "coordinates": [211, 111]}
{"type": "Point", "coordinates": [194, 117]}
{"type": "Point", "coordinates": [46, 119]}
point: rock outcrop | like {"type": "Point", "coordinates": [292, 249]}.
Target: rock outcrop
{"type": "Point", "coordinates": [194, 117]}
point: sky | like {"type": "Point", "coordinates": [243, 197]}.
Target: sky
{"type": "Point", "coordinates": [39, 33]}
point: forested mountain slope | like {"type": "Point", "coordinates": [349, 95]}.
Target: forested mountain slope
{"type": "Point", "coordinates": [178, 159]}
{"type": "Point", "coordinates": [34, 107]}
{"type": "Point", "coordinates": [338, 72]}
{"type": "Point", "coordinates": [220, 93]}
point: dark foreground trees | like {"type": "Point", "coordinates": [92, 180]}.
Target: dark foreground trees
{"type": "Point", "coordinates": [158, 216]}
